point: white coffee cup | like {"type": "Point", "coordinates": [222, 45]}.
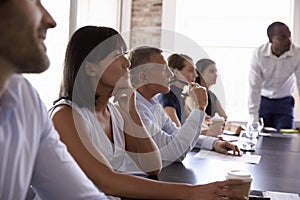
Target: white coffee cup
{"type": "Point", "coordinates": [243, 188]}
{"type": "Point", "coordinates": [217, 120]}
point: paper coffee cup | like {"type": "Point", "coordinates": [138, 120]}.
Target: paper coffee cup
{"type": "Point", "coordinates": [217, 119]}
{"type": "Point", "coordinates": [243, 188]}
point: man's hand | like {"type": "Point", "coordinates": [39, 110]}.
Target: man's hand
{"type": "Point", "coordinates": [224, 146]}
{"type": "Point", "coordinates": [199, 95]}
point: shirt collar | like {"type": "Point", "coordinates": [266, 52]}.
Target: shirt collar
{"type": "Point", "coordinates": [8, 99]}
{"type": "Point", "coordinates": [268, 51]}
{"type": "Point", "coordinates": [176, 90]}
{"type": "Point", "coordinates": [147, 103]}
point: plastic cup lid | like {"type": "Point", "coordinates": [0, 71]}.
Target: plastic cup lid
{"type": "Point", "coordinates": [239, 174]}
{"type": "Point", "coordinates": [218, 119]}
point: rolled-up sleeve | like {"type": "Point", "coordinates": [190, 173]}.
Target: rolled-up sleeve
{"type": "Point", "coordinates": [174, 143]}
{"type": "Point", "coordinates": [255, 85]}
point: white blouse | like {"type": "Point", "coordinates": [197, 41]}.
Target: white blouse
{"type": "Point", "coordinates": [114, 152]}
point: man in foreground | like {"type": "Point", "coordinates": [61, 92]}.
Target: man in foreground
{"type": "Point", "coordinates": [31, 152]}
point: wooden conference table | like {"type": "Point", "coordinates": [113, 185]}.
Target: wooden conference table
{"type": "Point", "coordinates": [278, 170]}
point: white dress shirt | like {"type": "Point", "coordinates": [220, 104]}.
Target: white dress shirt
{"type": "Point", "coordinates": [31, 152]}
{"type": "Point", "coordinates": [174, 143]}
{"type": "Point", "coordinates": [271, 76]}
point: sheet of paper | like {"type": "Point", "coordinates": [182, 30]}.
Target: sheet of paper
{"type": "Point", "coordinates": [281, 195]}
{"type": "Point", "coordinates": [255, 159]}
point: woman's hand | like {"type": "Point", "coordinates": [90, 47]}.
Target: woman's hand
{"type": "Point", "coordinates": [219, 190]}
{"type": "Point", "coordinates": [139, 143]}
{"type": "Point", "coordinates": [125, 95]}
{"type": "Point", "coordinates": [123, 89]}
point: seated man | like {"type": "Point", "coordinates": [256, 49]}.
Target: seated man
{"type": "Point", "coordinates": [151, 76]}
{"type": "Point", "coordinates": [30, 150]}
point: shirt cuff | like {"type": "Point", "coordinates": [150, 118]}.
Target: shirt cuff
{"type": "Point", "coordinates": [208, 142]}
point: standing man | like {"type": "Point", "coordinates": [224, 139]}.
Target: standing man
{"type": "Point", "coordinates": [31, 153]}
{"type": "Point", "coordinates": [274, 66]}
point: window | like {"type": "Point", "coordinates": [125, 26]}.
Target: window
{"type": "Point", "coordinates": [98, 13]}
{"type": "Point", "coordinates": [47, 83]}
{"type": "Point", "coordinates": [229, 31]}
{"type": "Point", "coordinates": [88, 12]}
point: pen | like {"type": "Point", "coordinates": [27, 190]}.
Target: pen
{"type": "Point", "coordinates": [222, 139]}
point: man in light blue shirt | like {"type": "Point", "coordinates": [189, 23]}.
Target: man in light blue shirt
{"type": "Point", "coordinates": [151, 76]}
{"type": "Point", "coordinates": [30, 150]}
{"type": "Point", "coordinates": [274, 66]}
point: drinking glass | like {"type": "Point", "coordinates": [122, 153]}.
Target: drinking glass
{"type": "Point", "coordinates": [255, 127]}
{"type": "Point", "coordinates": [260, 126]}
{"type": "Point", "coordinates": [247, 140]}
